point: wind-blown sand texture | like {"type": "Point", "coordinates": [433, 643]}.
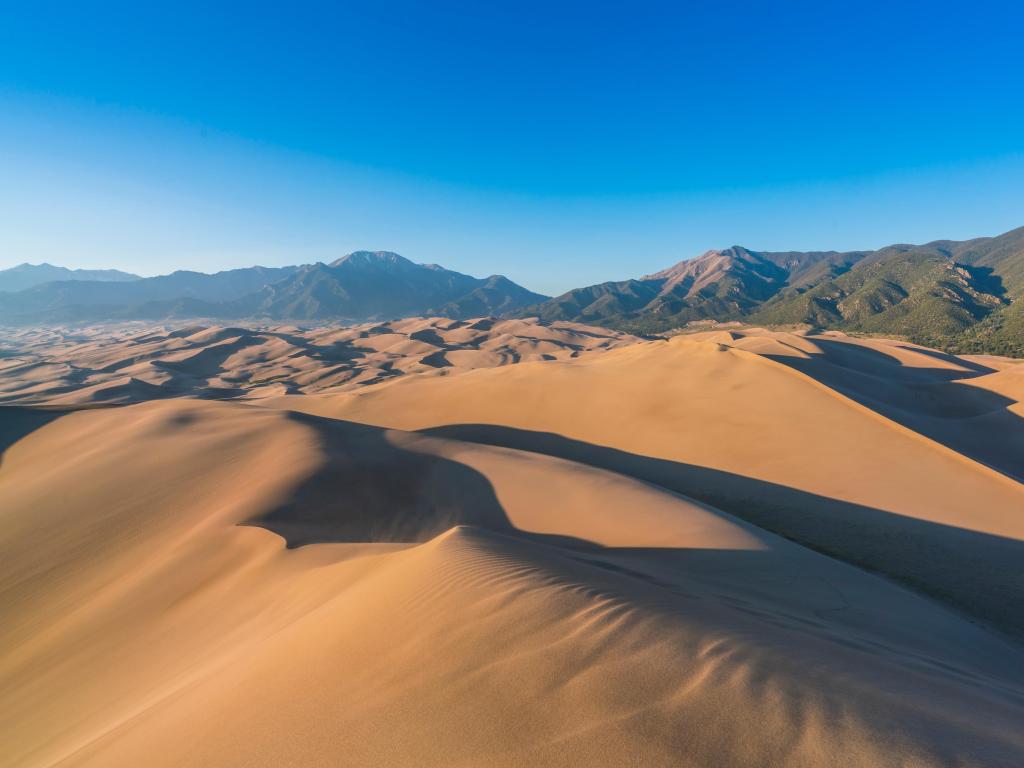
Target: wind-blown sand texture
{"type": "Point", "coordinates": [737, 548]}
{"type": "Point", "coordinates": [135, 362]}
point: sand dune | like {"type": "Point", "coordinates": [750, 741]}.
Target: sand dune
{"type": "Point", "coordinates": [120, 364]}
{"type": "Point", "coordinates": [558, 562]}
{"type": "Point", "coordinates": [747, 421]}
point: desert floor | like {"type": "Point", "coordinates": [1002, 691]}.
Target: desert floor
{"type": "Point", "coordinates": [505, 543]}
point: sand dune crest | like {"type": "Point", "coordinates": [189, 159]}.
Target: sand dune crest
{"type": "Point", "coordinates": [559, 562]}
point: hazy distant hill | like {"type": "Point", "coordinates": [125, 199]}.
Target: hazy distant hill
{"type": "Point", "coordinates": [967, 296]}
{"type": "Point", "coordinates": [380, 285]}
{"type": "Point", "coordinates": [962, 296]}
{"type": "Point", "coordinates": [28, 275]}
{"type": "Point", "coordinates": [361, 286]}
{"type": "Point", "coordinates": [496, 296]}
{"type": "Point", "coordinates": [77, 300]}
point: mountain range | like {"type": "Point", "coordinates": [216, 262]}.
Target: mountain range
{"type": "Point", "coordinates": [963, 296]}
{"type": "Point", "coordinates": [365, 285]}
{"type": "Point", "coordinates": [967, 296]}
{"type": "Point", "coordinates": [28, 275]}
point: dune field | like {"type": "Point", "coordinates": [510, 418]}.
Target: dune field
{"type": "Point", "coordinates": [128, 363]}
{"type": "Point", "coordinates": [507, 543]}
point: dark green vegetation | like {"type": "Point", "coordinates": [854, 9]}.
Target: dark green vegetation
{"type": "Point", "coordinates": [963, 297]}
{"type": "Point", "coordinates": [959, 296]}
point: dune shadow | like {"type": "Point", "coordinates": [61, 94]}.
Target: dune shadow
{"type": "Point", "coordinates": [430, 336]}
{"type": "Point", "coordinates": [436, 360]}
{"type": "Point", "coordinates": [977, 369]}
{"type": "Point", "coordinates": [343, 352]}
{"type": "Point", "coordinates": [17, 422]}
{"type": "Point", "coordinates": [209, 360]}
{"type": "Point", "coordinates": [371, 488]}
{"type": "Point", "coordinates": [930, 401]}
{"type": "Point", "coordinates": [379, 485]}
{"type": "Point", "coordinates": [978, 573]}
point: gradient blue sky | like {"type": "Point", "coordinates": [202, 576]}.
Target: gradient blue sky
{"type": "Point", "coordinates": [559, 143]}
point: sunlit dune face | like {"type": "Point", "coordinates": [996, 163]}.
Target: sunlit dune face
{"type": "Point", "coordinates": [133, 363]}
{"type": "Point", "coordinates": [435, 543]}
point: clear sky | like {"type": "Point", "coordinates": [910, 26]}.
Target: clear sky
{"type": "Point", "coordinates": [558, 143]}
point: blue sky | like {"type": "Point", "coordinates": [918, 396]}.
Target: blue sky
{"type": "Point", "coordinates": [558, 143]}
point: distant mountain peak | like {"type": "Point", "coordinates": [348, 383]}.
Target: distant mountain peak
{"type": "Point", "coordinates": [27, 275]}
{"type": "Point", "coordinates": [700, 263]}
{"type": "Point", "coordinates": [371, 259]}
{"type": "Point", "coordinates": [968, 293]}
{"type": "Point", "coordinates": [360, 285]}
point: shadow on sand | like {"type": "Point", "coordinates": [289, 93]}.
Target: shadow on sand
{"type": "Point", "coordinates": [376, 485]}
{"type": "Point", "coordinates": [18, 421]}
{"type": "Point", "coordinates": [930, 401]}
{"type": "Point", "coordinates": [978, 573]}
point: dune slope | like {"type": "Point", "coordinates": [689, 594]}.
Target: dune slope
{"type": "Point", "coordinates": [631, 617]}
{"type": "Point", "coordinates": [731, 419]}
{"type": "Point", "coordinates": [551, 563]}
{"type": "Point", "coordinates": [136, 362]}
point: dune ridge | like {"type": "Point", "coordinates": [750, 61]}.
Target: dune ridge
{"type": "Point", "coordinates": [137, 362]}
{"type": "Point", "coordinates": [765, 441]}
{"type": "Point", "coordinates": [647, 553]}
